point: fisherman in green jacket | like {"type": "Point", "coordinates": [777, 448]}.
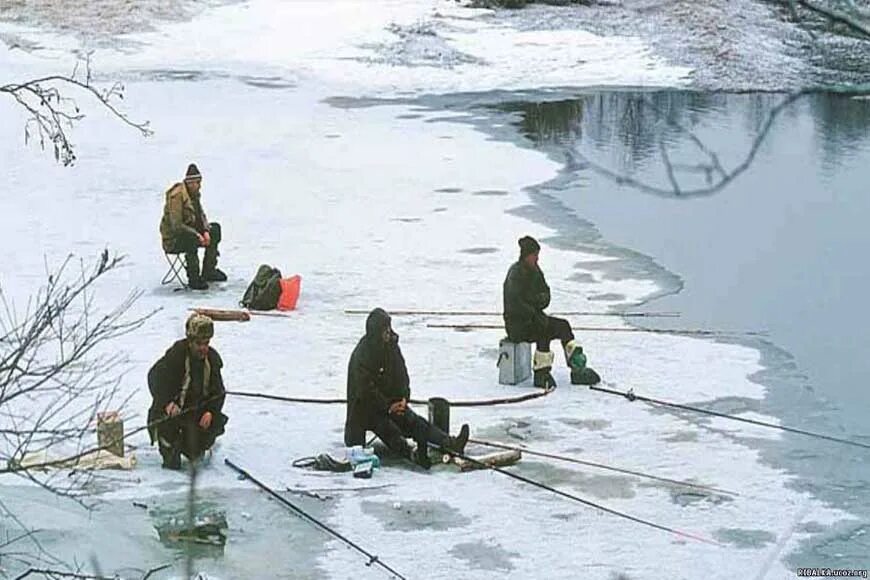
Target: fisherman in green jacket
{"type": "Point", "coordinates": [185, 228]}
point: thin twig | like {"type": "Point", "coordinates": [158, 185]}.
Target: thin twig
{"type": "Point", "coordinates": [52, 114]}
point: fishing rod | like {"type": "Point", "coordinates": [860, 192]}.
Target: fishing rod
{"type": "Point", "coordinates": [582, 500]}
{"type": "Point", "coordinates": [373, 559]}
{"type": "Point", "coordinates": [631, 396]}
{"type": "Point", "coordinates": [466, 403]}
{"type": "Point", "coordinates": [309, 400]}
{"type": "Point", "coordinates": [567, 459]}
{"type": "Point", "coordinates": [690, 332]}
{"type": "Point", "coordinates": [15, 467]}
{"type": "Point", "coordinates": [492, 313]}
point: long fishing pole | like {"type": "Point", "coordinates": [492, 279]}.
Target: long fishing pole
{"type": "Point", "coordinates": [566, 459]}
{"type": "Point", "coordinates": [477, 326]}
{"type": "Point", "coordinates": [373, 559]}
{"type": "Point", "coordinates": [631, 396]}
{"type": "Point", "coordinates": [582, 500]}
{"type": "Point", "coordinates": [493, 313]}
{"type": "Point", "coordinates": [461, 403]}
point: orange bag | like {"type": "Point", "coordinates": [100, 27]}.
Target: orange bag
{"type": "Point", "coordinates": [290, 288]}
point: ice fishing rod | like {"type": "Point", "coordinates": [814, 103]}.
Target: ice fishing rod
{"type": "Point", "coordinates": [690, 332]}
{"type": "Point", "coordinates": [465, 403]}
{"type": "Point", "coordinates": [581, 500]}
{"type": "Point", "coordinates": [492, 313]}
{"type": "Point", "coordinates": [15, 467]}
{"type": "Point", "coordinates": [567, 459]}
{"type": "Point", "coordinates": [373, 559]}
{"type": "Point", "coordinates": [631, 396]}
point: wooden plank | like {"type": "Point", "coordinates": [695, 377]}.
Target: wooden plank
{"type": "Point", "coordinates": [496, 459]}
{"type": "Point", "coordinates": [224, 314]}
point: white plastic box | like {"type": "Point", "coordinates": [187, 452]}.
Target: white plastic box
{"type": "Point", "coordinates": [514, 362]}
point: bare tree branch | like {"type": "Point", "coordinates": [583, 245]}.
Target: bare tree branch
{"type": "Point", "coordinates": [713, 165]}
{"type": "Point", "coordinates": [852, 21]}
{"type": "Point", "coordinates": [52, 114]}
{"type": "Point", "coordinates": [153, 571]}
{"type": "Point", "coordinates": [49, 573]}
{"type": "Point", "coordinates": [56, 375]}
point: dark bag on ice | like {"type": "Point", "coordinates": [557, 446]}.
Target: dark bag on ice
{"type": "Point", "coordinates": [264, 290]}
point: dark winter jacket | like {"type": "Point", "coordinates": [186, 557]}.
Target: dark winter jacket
{"type": "Point", "coordinates": [525, 295]}
{"type": "Point", "coordinates": [376, 376]}
{"type": "Point", "coordinates": [166, 377]}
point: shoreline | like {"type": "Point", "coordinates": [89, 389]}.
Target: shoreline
{"type": "Point", "coordinates": [459, 347]}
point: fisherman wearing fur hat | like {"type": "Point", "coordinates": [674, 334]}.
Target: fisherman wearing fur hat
{"type": "Point", "coordinates": [526, 295]}
{"type": "Point", "coordinates": [185, 228]}
{"type": "Point", "coordinates": [188, 395]}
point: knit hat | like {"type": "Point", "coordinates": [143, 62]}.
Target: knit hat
{"type": "Point", "coordinates": [199, 327]}
{"type": "Point", "coordinates": [192, 173]}
{"type": "Point", "coordinates": [528, 246]}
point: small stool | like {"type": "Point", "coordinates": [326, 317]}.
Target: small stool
{"type": "Point", "coordinates": [177, 270]}
{"type": "Point", "coordinates": [514, 362]}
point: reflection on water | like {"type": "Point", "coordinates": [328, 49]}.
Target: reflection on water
{"type": "Point", "coordinates": [641, 123]}
{"type": "Point", "coordinates": [782, 248]}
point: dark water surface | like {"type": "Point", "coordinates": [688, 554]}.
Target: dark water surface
{"type": "Point", "coordinates": [782, 248]}
{"type": "Point", "coordinates": [765, 230]}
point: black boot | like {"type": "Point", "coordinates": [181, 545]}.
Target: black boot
{"type": "Point", "coordinates": [542, 364]}
{"type": "Point", "coordinates": [584, 376]}
{"type": "Point", "coordinates": [457, 444]}
{"type": "Point", "coordinates": [210, 272]}
{"type": "Point", "coordinates": [171, 458]}
{"type": "Point", "coordinates": [194, 280]}
{"type": "Point", "coordinates": [543, 379]}
{"type": "Point", "coordinates": [420, 456]}
{"type": "Point", "coordinates": [214, 275]}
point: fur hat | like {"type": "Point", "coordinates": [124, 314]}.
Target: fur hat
{"type": "Point", "coordinates": [528, 246]}
{"type": "Point", "coordinates": [199, 327]}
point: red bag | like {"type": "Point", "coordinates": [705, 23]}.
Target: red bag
{"type": "Point", "coordinates": [290, 288]}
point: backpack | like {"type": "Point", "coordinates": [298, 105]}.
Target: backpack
{"type": "Point", "coordinates": [264, 290]}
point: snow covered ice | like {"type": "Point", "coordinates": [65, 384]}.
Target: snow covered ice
{"type": "Point", "coordinates": [373, 204]}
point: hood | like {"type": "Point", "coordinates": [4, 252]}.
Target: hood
{"type": "Point", "coordinates": [376, 322]}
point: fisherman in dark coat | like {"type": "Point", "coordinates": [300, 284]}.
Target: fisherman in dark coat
{"type": "Point", "coordinates": [188, 395]}
{"type": "Point", "coordinates": [526, 295]}
{"type": "Point", "coordinates": [377, 397]}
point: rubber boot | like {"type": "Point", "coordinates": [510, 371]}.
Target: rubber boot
{"type": "Point", "coordinates": [585, 376]}
{"type": "Point", "coordinates": [194, 280]}
{"type": "Point", "coordinates": [210, 272]}
{"type": "Point", "coordinates": [171, 458]}
{"type": "Point", "coordinates": [542, 365]}
{"type": "Point", "coordinates": [576, 361]}
{"type": "Point", "coordinates": [420, 456]}
{"type": "Point", "coordinates": [457, 444]}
